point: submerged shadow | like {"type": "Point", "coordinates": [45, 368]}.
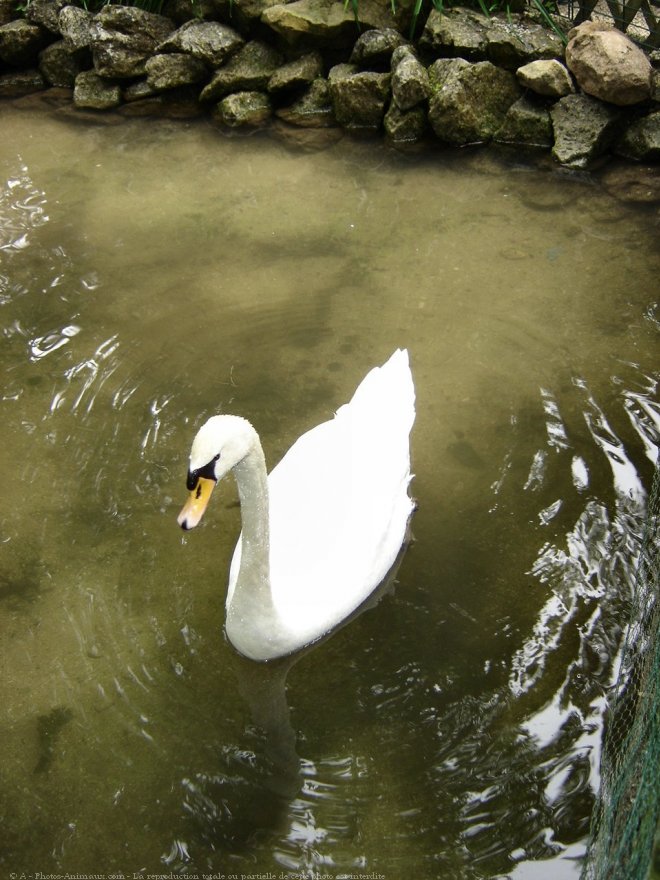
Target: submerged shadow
{"type": "Point", "coordinates": [253, 789]}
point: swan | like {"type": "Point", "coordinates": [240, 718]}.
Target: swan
{"type": "Point", "coordinates": [321, 532]}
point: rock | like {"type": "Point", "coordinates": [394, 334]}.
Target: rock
{"type": "Point", "coordinates": [405, 126]}
{"type": "Point", "coordinates": [20, 43]}
{"type": "Point", "coordinates": [174, 104]}
{"type": "Point", "coordinates": [507, 42]}
{"type": "Point", "coordinates": [641, 141]}
{"type": "Point", "coordinates": [373, 49]}
{"type": "Point", "coordinates": [608, 65]}
{"type": "Point", "coordinates": [7, 11]}
{"type": "Point", "coordinates": [527, 124]}
{"type": "Point", "coordinates": [243, 15]}
{"type": "Point", "coordinates": [517, 40]}
{"type": "Point", "coordinates": [123, 37]}
{"type": "Point", "coordinates": [313, 109]}
{"type": "Point", "coordinates": [312, 24]}
{"type": "Point", "coordinates": [307, 138]}
{"type": "Point", "coordinates": [249, 70]}
{"type": "Point", "coordinates": [173, 70]}
{"type": "Point", "coordinates": [76, 28]}
{"type": "Point", "coordinates": [301, 72]}
{"type": "Point", "coordinates": [459, 32]}
{"type": "Point", "coordinates": [469, 102]}
{"type": "Point", "coordinates": [410, 80]}
{"type": "Point", "coordinates": [22, 82]}
{"type": "Point", "coordinates": [209, 41]}
{"type": "Point", "coordinates": [138, 91]}
{"type": "Point", "coordinates": [244, 110]}
{"type": "Point", "coordinates": [92, 92]}
{"type": "Point", "coordinates": [639, 184]}
{"type": "Point", "coordinates": [46, 13]}
{"type": "Point", "coordinates": [583, 129]}
{"type": "Point", "coordinates": [58, 66]}
{"type": "Point", "coordinates": [546, 77]}
{"type": "Point", "coordinates": [45, 100]}
{"type": "Point", "coordinates": [358, 98]}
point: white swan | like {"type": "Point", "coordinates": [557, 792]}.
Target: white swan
{"type": "Point", "coordinates": [322, 531]}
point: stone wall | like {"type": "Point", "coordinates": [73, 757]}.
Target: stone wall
{"type": "Point", "coordinates": [467, 79]}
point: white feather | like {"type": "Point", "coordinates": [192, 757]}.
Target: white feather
{"type": "Point", "coordinates": [338, 513]}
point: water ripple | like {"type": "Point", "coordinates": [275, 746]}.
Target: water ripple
{"type": "Point", "coordinates": [22, 209]}
{"type": "Point", "coordinates": [88, 377]}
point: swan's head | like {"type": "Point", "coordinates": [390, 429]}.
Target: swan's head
{"type": "Point", "coordinates": [220, 444]}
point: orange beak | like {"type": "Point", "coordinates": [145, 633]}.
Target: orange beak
{"type": "Point", "coordinates": [193, 510]}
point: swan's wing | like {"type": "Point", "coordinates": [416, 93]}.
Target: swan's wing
{"type": "Point", "coordinates": [339, 502]}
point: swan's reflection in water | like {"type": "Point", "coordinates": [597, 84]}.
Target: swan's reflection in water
{"type": "Point", "coordinates": [266, 787]}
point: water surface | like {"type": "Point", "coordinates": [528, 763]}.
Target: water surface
{"type": "Point", "coordinates": [153, 274]}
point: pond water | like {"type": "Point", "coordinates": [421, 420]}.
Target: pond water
{"type": "Point", "coordinates": [153, 274]}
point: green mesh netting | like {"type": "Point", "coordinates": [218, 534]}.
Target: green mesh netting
{"type": "Point", "coordinates": [624, 840]}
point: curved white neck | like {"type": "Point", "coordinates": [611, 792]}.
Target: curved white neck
{"type": "Point", "coordinates": [252, 484]}
{"type": "Point", "coordinates": [252, 619]}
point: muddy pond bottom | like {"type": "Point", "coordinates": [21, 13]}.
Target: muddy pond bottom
{"type": "Point", "coordinates": [153, 274]}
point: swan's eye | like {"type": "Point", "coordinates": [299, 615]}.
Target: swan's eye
{"type": "Point", "coordinates": [207, 471]}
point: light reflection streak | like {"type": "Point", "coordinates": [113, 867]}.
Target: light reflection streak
{"type": "Point", "coordinates": [22, 208]}
{"type": "Point", "coordinates": [41, 346]}
{"type": "Point", "coordinates": [93, 373]}
{"type": "Point", "coordinates": [599, 549]}
{"type": "Point", "coordinates": [626, 480]}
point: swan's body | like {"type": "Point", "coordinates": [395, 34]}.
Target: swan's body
{"type": "Point", "coordinates": [322, 531]}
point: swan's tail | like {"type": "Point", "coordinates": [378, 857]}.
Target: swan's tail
{"type": "Point", "coordinates": [386, 390]}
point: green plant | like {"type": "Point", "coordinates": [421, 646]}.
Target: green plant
{"type": "Point", "coordinates": [545, 15]}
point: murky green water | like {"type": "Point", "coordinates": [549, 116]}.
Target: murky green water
{"type": "Point", "coordinates": [153, 274]}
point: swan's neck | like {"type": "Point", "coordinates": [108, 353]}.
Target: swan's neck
{"type": "Point", "coordinates": [252, 594]}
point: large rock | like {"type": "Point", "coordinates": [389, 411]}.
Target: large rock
{"type": "Point", "coordinates": [313, 109]}
{"type": "Point", "coordinates": [358, 97]}
{"type": "Point", "coordinates": [608, 65]}
{"type": "Point", "coordinates": [456, 32]}
{"type": "Point", "coordinates": [507, 42]}
{"type": "Point", "coordinates": [92, 92]}
{"type": "Point", "coordinates": [76, 28]}
{"type": "Point", "coordinates": [46, 13]}
{"type": "Point", "coordinates": [7, 11]}
{"type": "Point", "coordinates": [373, 49]}
{"type": "Point", "coordinates": [517, 40]}
{"type": "Point", "coordinates": [410, 79]}
{"type": "Point", "coordinates": [546, 77]}
{"type": "Point", "coordinates": [469, 102]}
{"type": "Point", "coordinates": [244, 110]}
{"type": "Point", "coordinates": [312, 24]}
{"type": "Point", "coordinates": [58, 66]}
{"type": "Point", "coordinates": [296, 74]}
{"type": "Point", "coordinates": [244, 15]}
{"type": "Point", "coordinates": [405, 126]}
{"type": "Point", "coordinates": [179, 103]}
{"type": "Point", "coordinates": [527, 124]}
{"type": "Point", "coordinates": [633, 183]}
{"type": "Point", "coordinates": [21, 82]}
{"type": "Point", "coordinates": [249, 70]}
{"type": "Point", "coordinates": [123, 37]}
{"type": "Point", "coordinates": [173, 70]}
{"type": "Point", "coordinates": [583, 129]}
{"type": "Point", "coordinates": [20, 43]}
{"type": "Point", "coordinates": [210, 41]}
{"type": "Point", "coordinates": [641, 141]}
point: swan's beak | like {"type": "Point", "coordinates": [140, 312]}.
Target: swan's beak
{"type": "Point", "coordinates": [193, 509]}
